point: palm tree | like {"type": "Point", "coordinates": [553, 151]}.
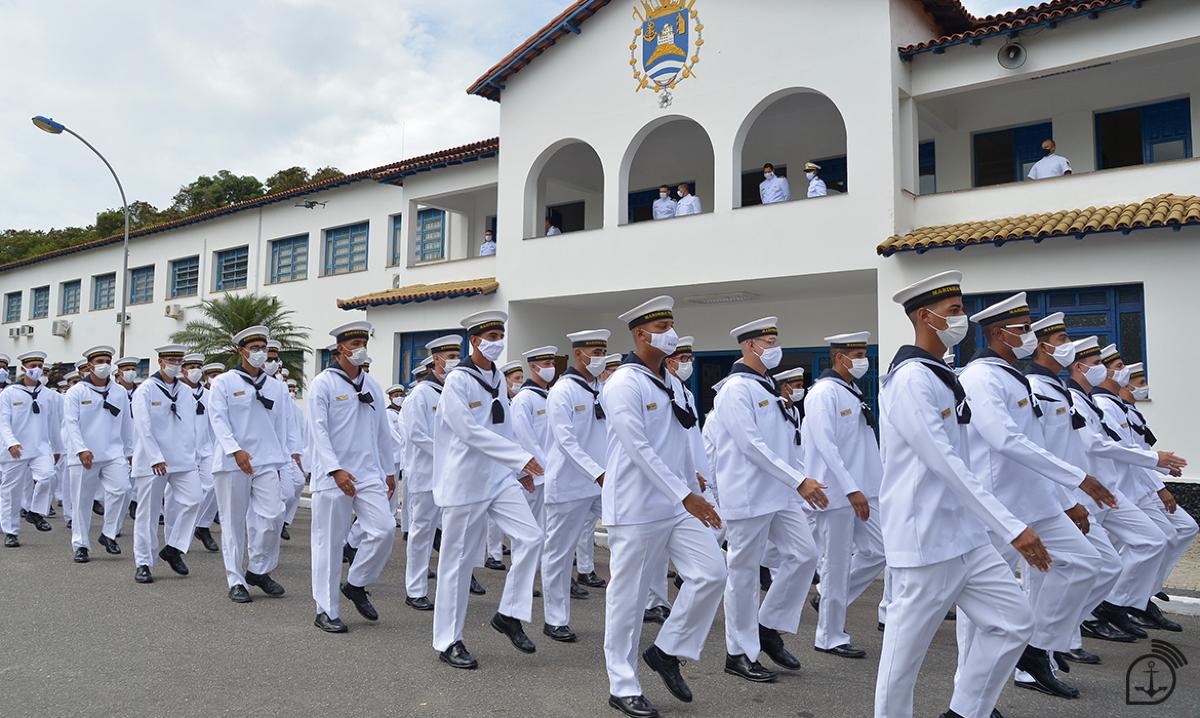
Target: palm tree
{"type": "Point", "coordinates": [228, 315]}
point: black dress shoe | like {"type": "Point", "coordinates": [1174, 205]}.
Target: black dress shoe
{"type": "Point", "coordinates": [430, 574]}
{"type": "Point", "coordinates": [950, 714]}
{"type": "Point", "coordinates": [1118, 616]}
{"type": "Point", "coordinates": [667, 667]}
{"type": "Point", "coordinates": [360, 598]}
{"type": "Point", "coordinates": [174, 559]}
{"type": "Point", "coordinates": [771, 644]}
{"type": "Point", "coordinates": [493, 564]}
{"type": "Point", "coordinates": [1162, 596]}
{"type": "Point", "coordinates": [996, 713]}
{"type": "Point", "coordinates": [1058, 660]}
{"type": "Point", "coordinates": [51, 512]}
{"type": "Point", "coordinates": [264, 581]}
{"type": "Point", "coordinates": [1103, 631]}
{"type": "Point", "coordinates": [1078, 655]}
{"type": "Point", "coordinates": [752, 671]}
{"type": "Point", "coordinates": [846, 650]}
{"type": "Point", "coordinates": [591, 580]}
{"type": "Point", "coordinates": [283, 533]}
{"type": "Point", "coordinates": [205, 537]}
{"type": "Point", "coordinates": [477, 587]}
{"type": "Point", "coordinates": [10, 541]}
{"type": "Point", "coordinates": [437, 543]}
{"type": "Point", "coordinates": [110, 545]}
{"type": "Point", "coordinates": [39, 522]}
{"type": "Point", "coordinates": [240, 594]}
{"type": "Point", "coordinates": [81, 555]}
{"type": "Point", "coordinates": [678, 582]}
{"type": "Point", "coordinates": [537, 592]}
{"type": "Point", "coordinates": [142, 574]}
{"type": "Point", "coordinates": [1154, 616]}
{"type": "Point", "coordinates": [815, 601]}
{"type": "Point", "coordinates": [162, 520]}
{"type": "Point", "coordinates": [132, 509]}
{"type": "Point", "coordinates": [24, 513]}
{"type": "Point", "coordinates": [1036, 662]}
{"type": "Point", "coordinates": [506, 551]}
{"type": "Point", "coordinates": [421, 603]}
{"type": "Point", "coordinates": [98, 507]}
{"type": "Point", "coordinates": [348, 553]}
{"type": "Point", "coordinates": [217, 519]}
{"type": "Point", "coordinates": [329, 625]}
{"type": "Point", "coordinates": [634, 706]}
{"type": "Point", "coordinates": [562, 634]}
{"type": "Point", "coordinates": [951, 615]}
{"type": "Point", "coordinates": [457, 656]}
{"type": "Point", "coordinates": [578, 591]}
{"type": "Point", "coordinates": [880, 626]}
{"type": "Point", "coordinates": [658, 614]}
{"type": "Point", "coordinates": [764, 578]}
{"type": "Point", "coordinates": [511, 627]}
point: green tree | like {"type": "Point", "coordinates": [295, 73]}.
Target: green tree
{"type": "Point", "coordinates": [220, 190]}
{"type": "Point", "coordinates": [227, 315]}
{"type": "Point", "coordinates": [141, 214]}
{"type": "Point", "coordinates": [283, 180]}
{"type": "Point", "coordinates": [326, 173]}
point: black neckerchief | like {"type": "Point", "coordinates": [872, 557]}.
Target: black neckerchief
{"type": "Point", "coordinates": [473, 371]}
{"type": "Point", "coordinates": [945, 374]}
{"type": "Point", "coordinates": [868, 415]}
{"type": "Point", "coordinates": [432, 380]}
{"type": "Point", "coordinates": [597, 410]}
{"type": "Point", "coordinates": [364, 397]}
{"type": "Point", "coordinates": [197, 394]}
{"type": "Point", "coordinates": [1087, 399]}
{"type": "Point", "coordinates": [1143, 430]}
{"type": "Point", "coordinates": [1002, 363]}
{"type": "Point", "coordinates": [1077, 421]}
{"type": "Point", "coordinates": [685, 417]}
{"type": "Point", "coordinates": [792, 416]}
{"type": "Point", "coordinates": [104, 398]}
{"type": "Point", "coordinates": [174, 397]}
{"type": "Point", "coordinates": [533, 386]}
{"type": "Point", "coordinates": [33, 395]}
{"type": "Point", "coordinates": [258, 384]}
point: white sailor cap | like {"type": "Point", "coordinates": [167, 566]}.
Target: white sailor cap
{"type": "Point", "coordinates": [61, 383]}
{"type": "Point", "coordinates": [545, 353]}
{"type": "Point", "coordinates": [426, 362]}
{"type": "Point", "coordinates": [661, 307]}
{"type": "Point", "coordinates": [612, 360]}
{"type": "Point", "coordinates": [1110, 354]}
{"type": "Point", "coordinates": [257, 331]}
{"type": "Point", "coordinates": [1012, 308]}
{"type": "Point", "coordinates": [510, 367]}
{"type": "Point", "coordinates": [767, 326]}
{"type": "Point", "coordinates": [273, 345]}
{"type": "Point", "coordinates": [448, 343]}
{"type": "Point", "coordinates": [929, 290]}
{"type": "Point", "coordinates": [210, 368]}
{"type": "Point", "coordinates": [413, 384]}
{"type": "Point", "coordinates": [70, 375]}
{"type": "Point", "coordinates": [396, 388]}
{"type": "Point", "coordinates": [590, 339]}
{"type": "Point", "coordinates": [31, 356]}
{"type": "Point", "coordinates": [4, 359]}
{"type": "Point", "coordinates": [98, 351]}
{"type": "Point", "coordinates": [292, 384]}
{"type": "Point", "coordinates": [1050, 324]}
{"type": "Point", "coordinates": [420, 370]}
{"type": "Point", "coordinates": [350, 330]}
{"type": "Point", "coordinates": [790, 374]}
{"type": "Point", "coordinates": [128, 361]}
{"type": "Point", "coordinates": [193, 358]}
{"type": "Point", "coordinates": [1086, 347]}
{"type": "Point", "coordinates": [1136, 370]}
{"type": "Point", "coordinates": [811, 167]}
{"type": "Point", "coordinates": [171, 351]}
{"type": "Point", "coordinates": [81, 363]}
{"type": "Point", "coordinates": [852, 340]}
{"type": "Point", "coordinates": [684, 346]}
{"type": "Point", "coordinates": [485, 321]}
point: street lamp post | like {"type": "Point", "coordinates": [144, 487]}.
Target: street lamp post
{"type": "Point", "coordinates": [47, 124]}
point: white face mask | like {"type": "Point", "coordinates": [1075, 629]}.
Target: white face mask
{"type": "Point", "coordinates": [1122, 377]}
{"type": "Point", "coordinates": [797, 395]}
{"type": "Point", "coordinates": [595, 366]}
{"type": "Point", "coordinates": [769, 175]}
{"type": "Point", "coordinates": [665, 342]}
{"type": "Point", "coordinates": [34, 373]}
{"type": "Point", "coordinates": [3, 375]}
{"type": "Point", "coordinates": [488, 238]}
{"type": "Point", "coordinates": [397, 401]}
{"type": "Point", "coordinates": [257, 359]}
{"type": "Point", "coordinates": [955, 331]}
{"type": "Point", "coordinates": [271, 366]}
{"type": "Point", "coordinates": [1064, 353]}
{"type": "Point", "coordinates": [194, 376]}
{"type": "Point", "coordinates": [1028, 344]}
{"type": "Point", "coordinates": [684, 371]}
{"type": "Point", "coordinates": [859, 367]}
{"type": "Point", "coordinates": [129, 375]}
{"type": "Point", "coordinates": [1095, 375]}
{"type": "Point", "coordinates": [810, 175]}
{"type": "Point", "coordinates": [1141, 393]}
{"type": "Point", "coordinates": [43, 380]}
{"type": "Point", "coordinates": [663, 195]}
{"type": "Point", "coordinates": [491, 350]}
{"type": "Point", "coordinates": [771, 356]}
{"type": "Point", "coordinates": [102, 371]}
{"type": "Point", "coordinates": [358, 357]}
{"type": "Point", "coordinates": [547, 372]}
{"type": "Point", "coordinates": [450, 364]}
{"type": "Point", "coordinates": [171, 370]}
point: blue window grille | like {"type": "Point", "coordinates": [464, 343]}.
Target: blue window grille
{"type": "Point", "coordinates": [185, 277]}
{"type": "Point", "coordinates": [833, 171]}
{"type": "Point", "coordinates": [39, 303]}
{"type": "Point", "coordinates": [326, 360]}
{"type": "Point", "coordinates": [12, 307]}
{"type": "Point", "coordinates": [413, 351]}
{"type": "Point", "coordinates": [1007, 155]}
{"type": "Point", "coordinates": [104, 291]}
{"type": "Point", "coordinates": [1157, 132]}
{"type": "Point", "coordinates": [289, 259]}
{"type": "Point", "coordinates": [346, 249]}
{"type": "Point", "coordinates": [68, 299]}
{"type": "Point", "coordinates": [141, 285]}
{"type": "Point", "coordinates": [230, 271]}
{"type": "Point", "coordinates": [396, 250]}
{"type": "Point", "coordinates": [431, 235]}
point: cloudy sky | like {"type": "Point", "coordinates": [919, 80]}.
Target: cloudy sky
{"type": "Point", "coordinates": [172, 90]}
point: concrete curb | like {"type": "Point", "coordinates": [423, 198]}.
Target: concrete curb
{"type": "Point", "coordinates": [1180, 605]}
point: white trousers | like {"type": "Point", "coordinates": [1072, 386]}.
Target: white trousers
{"type": "Point", "coordinates": [423, 520]}
{"type": "Point", "coordinates": [1179, 528]}
{"type": "Point", "coordinates": [463, 531]}
{"type": "Point", "coordinates": [585, 549]}
{"type": "Point", "coordinates": [113, 476]}
{"type": "Point", "coordinates": [495, 540]}
{"type": "Point", "coordinates": [697, 557]}
{"type": "Point", "coordinates": [984, 588]}
{"type": "Point", "coordinates": [1142, 546]}
{"type": "Point", "coordinates": [852, 557]}
{"type": "Point", "coordinates": [208, 507]}
{"type": "Point", "coordinates": [357, 533]}
{"type": "Point", "coordinates": [1108, 572]}
{"type": "Point", "coordinates": [24, 483]}
{"type": "Point", "coordinates": [331, 512]}
{"type": "Point", "coordinates": [292, 486]}
{"type": "Point", "coordinates": [185, 488]}
{"type": "Point", "coordinates": [172, 510]}
{"type": "Point", "coordinates": [780, 609]}
{"type": "Point", "coordinates": [1056, 595]}
{"type": "Point", "coordinates": [62, 477]}
{"type": "Point", "coordinates": [251, 519]}
{"type": "Point", "coordinates": [562, 531]}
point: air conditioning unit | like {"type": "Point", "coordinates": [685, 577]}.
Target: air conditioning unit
{"type": "Point", "coordinates": [60, 327]}
{"type": "Point", "coordinates": [125, 316]}
{"type": "Point", "coordinates": [174, 311]}
{"type": "Point", "coordinates": [14, 332]}
{"type": "Point", "coordinates": [25, 330]}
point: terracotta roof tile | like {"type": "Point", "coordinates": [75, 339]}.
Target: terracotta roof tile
{"type": "Point", "coordinates": [1165, 210]}
{"type": "Point", "coordinates": [422, 293]}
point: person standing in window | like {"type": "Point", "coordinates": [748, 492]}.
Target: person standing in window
{"type": "Point", "coordinates": [773, 188]}
{"type": "Point", "coordinates": [488, 248]}
{"type": "Point", "coordinates": [688, 203]}
{"type": "Point", "coordinates": [664, 206]}
{"type": "Point", "coordinates": [816, 185]}
{"type": "Point", "coordinates": [1051, 164]}
{"type": "Point", "coordinates": [551, 228]}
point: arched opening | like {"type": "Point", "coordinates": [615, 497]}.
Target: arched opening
{"type": "Point", "coordinates": [670, 151]}
{"type": "Point", "coordinates": [788, 129]}
{"type": "Point", "coordinates": [565, 190]}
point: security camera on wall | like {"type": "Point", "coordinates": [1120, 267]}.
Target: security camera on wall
{"type": "Point", "coordinates": [1011, 56]}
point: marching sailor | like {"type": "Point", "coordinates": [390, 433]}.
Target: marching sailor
{"type": "Point", "coordinates": [291, 474]}
{"type": "Point", "coordinates": [395, 398]}
{"type": "Point", "coordinates": [514, 376]}
{"type": "Point", "coordinates": [193, 379]}
{"type": "Point", "coordinates": [126, 375]}
{"type": "Point", "coordinates": [29, 424]}
{"type": "Point", "coordinates": [530, 428]}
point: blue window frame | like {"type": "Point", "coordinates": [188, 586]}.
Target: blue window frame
{"type": "Point", "coordinates": [68, 297]}
{"type": "Point", "coordinates": [1115, 314]}
{"type": "Point", "coordinates": [413, 351]}
{"type": "Point", "coordinates": [289, 259]}
{"type": "Point", "coordinates": [641, 202]}
{"type": "Point", "coordinates": [431, 235]}
{"type": "Point", "coordinates": [141, 285]}
{"type": "Point", "coordinates": [833, 171]}
{"type": "Point", "coordinates": [346, 249]}
{"type": "Point", "coordinates": [396, 250]}
{"type": "Point", "coordinates": [1143, 135]}
{"type": "Point", "coordinates": [12, 307]}
{"type": "Point", "coordinates": [230, 269]}
{"type": "Point", "coordinates": [326, 360]}
{"type": "Point", "coordinates": [104, 291]}
{"type": "Point", "coordinates": [926, 168]}
{"type": "Point", "coordinates": [185, 277]}
{"type": "Point", "coordinates": [39, 302]}
{"type": "Point", "coordinates": [1007, 155]}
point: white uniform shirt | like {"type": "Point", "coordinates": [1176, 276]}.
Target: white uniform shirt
{"type": "Point", "coordinates": [932, 507]}
{"type": "Point", "coordinates": [1111, 461]}
{"type": "Point", "coordinates": [774, 190]}
{"type": "Point", "coordinates": [664, 208]}
{"type": "Point", "coordinates": [418, 424]}
{"type": "Point", "coordinates": [530, 428]}
{"type": "Point", "coordinates": [241, 422]}
{"type": "Point", "coordinates": [348, 433]}
{"type": "Point", "coordinates": [648, 458]}
{"type": "Point", "coordinates": [700, 460]}
{"type": "Point", "coordinates": [397, 429]}
{"type": "Point", "coordinates": [688, 205]}
{"type": "Point", "coordinates": [839, 446]}
{"type": "Point", "coordinates": [1058, 420]}
{"type": "Point", "coordinates": [1116, 418]}
{"type": "Point", "coordinates": [487, 249]}
{"type": "Point", "coordinates": [1141, 437]}
{"type": "Point", "coordinates": [204, 433]}
{"type": "Point", "coordinates": [816, 187]}
{"type": "Point", "coordinates": [164, 425]}
{"type": "Point", "coordinates": [578, 440]}
{"type": "Point", "coordinates": [474, 459]}
{"type": "Point", "coordinates": [553, 231]}
{"type": "Point", "coordinates": [88, 426]}
{"type": "Point", "coordinates": [1049, 166]}
{"type": "Point", "coordinates": [38, 434]}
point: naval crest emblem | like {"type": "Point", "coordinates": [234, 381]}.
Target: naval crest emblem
{"type": "Point", "coordinates": [666, 44]}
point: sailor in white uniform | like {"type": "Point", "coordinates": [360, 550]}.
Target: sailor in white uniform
{"type": "Point", "coordinates": [164, 453]}
{"type": "Point", "coordinates": [664, 206]}
{"type": "Point", "coordinates": [353, 473]}
{"type": "Point", "coordinates": [688, 203]}
{"type": "Point", "coordinates": [648, 503]}
{"type": "Point", "coordinates": [611, 362]}
{"type": "Point", "coordinates": [530, 427]}
{"type": "Point", "coordinates": [5, 372]}
{"type": "Point", "coordinates": [32, 445]}
{"type": "Point", "coordinates": [291, 474]}
{"type": "Point", "coordinates": [395, 399]}
{"type": "Point", "coordinates": [479, 471]}
{"type": "Point", "coordinates": [1051, 164]}
{"type": "Point", "coordinates": [300, 419]}
{"type": "Point", "coordinates": [577, 430]}
{"type": "Point", "coordinates": [98, 445]}
{"type": "Point", "coordinates": [514, 376]}
{"type": "Point", "coordinates": [773, 188]}
{"type": "Point", "coordinates": [816, 185]}
{"type": "Point", "coordinates": [841, 451]}
{"type": "Point", "coordinates": [251, 431]}
{"type": "Point", "coordinates": [193, 380]}
{"type": "Point", "coordinates": [936, 515]}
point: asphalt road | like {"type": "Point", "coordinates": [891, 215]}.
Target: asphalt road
{"type": "Point", "coordinates": [85, 640]}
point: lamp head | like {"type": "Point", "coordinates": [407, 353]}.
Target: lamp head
{"type": "Point", "coordinates": [47, 124]}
